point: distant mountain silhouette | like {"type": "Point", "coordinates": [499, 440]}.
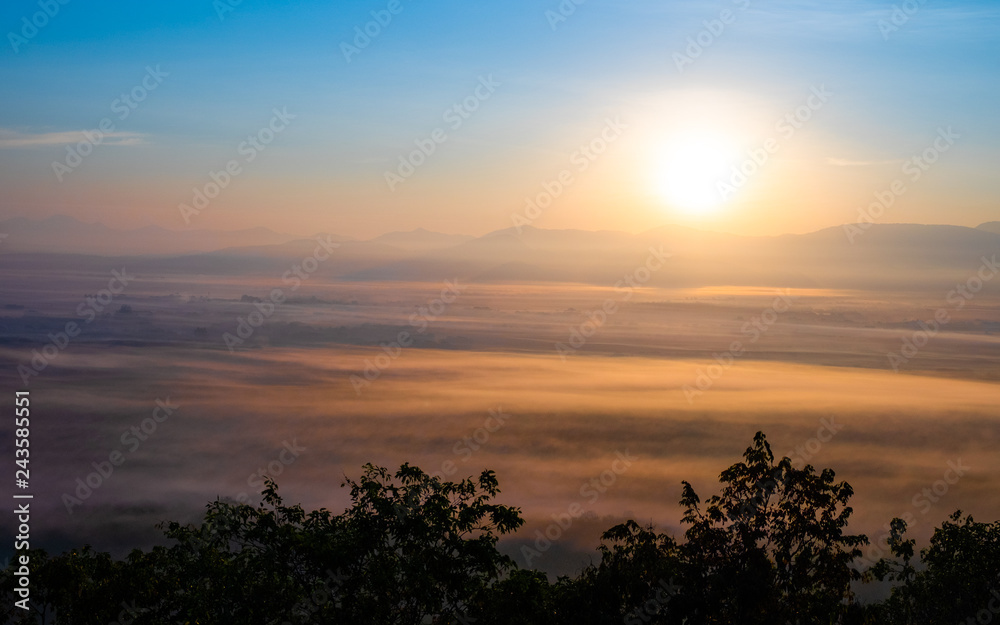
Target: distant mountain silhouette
{"type": "Point", "coordinates": [885, 256]}
{"type": "Point", "coordinates": [421, 240]}
{"type": "Point", "coordinates": [990, 226]}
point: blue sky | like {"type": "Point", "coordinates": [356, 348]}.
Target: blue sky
{"type": "Point", "coordinates": [557, 86]}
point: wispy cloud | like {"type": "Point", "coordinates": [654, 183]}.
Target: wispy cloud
{"type": "Point", "coordinates": [857, 20]}
{"type": "Point", "coordinates": [846, 162]}
{"type": "Point", "coordinates": [14, 139]}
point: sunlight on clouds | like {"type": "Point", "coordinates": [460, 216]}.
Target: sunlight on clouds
{"type": "Point", "coordinates": [14, 139]}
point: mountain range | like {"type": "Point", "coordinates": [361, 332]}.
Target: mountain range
{"type": "Point", "coordinates": [898, 256]}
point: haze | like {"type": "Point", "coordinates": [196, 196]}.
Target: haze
{"type": "Point", "coordinates": [244, 239]}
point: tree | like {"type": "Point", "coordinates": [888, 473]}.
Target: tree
{"type": "Point", "coordinates": [959, 581]}
{"type": "Point", "coordinates": [81, 586]}
{"type": "Point", "coordinates": [632, 584]}
{"type": "Point", "coordinates": [771, 547]}
{"type": "Point", "coordinates": [410, 548]}
{"type": "Point", "coordinates": [419, 547]}
{"type": "Point", "coordinates": [523, 597]}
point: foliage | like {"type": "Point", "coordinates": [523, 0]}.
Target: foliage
{"type": "Point", "coordinates": [958, 582]}
{"type": "Point", "coordinates": [771, 547]}
{"type": "Point", "coordinates": [411, 547]}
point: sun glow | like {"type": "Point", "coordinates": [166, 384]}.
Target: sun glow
{"type": "Point", "coordinates": [688, 175]}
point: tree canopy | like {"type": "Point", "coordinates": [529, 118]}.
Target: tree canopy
{"type": "Point", "coordinates": [771, 547]}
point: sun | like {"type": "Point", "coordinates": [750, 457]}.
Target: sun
{"type": "Point", "coordinates": [688, 174]}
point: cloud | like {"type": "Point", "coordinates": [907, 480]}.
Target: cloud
{"type": "Point", "coordinates": [846, 162]}
{"type": "Point", "coordinates": [857, 20]}
{"type": "Point", "coordinates": [14, 139]}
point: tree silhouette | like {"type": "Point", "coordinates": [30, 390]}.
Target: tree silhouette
{"type": "Point", "coordinates": [632, 583]}
{"type": "Point", "coordinates": [411, 549]}
{"type": "Point", "coordinates": [771, 547]}
{"type": "Point", "coordinates": [959, 581]}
